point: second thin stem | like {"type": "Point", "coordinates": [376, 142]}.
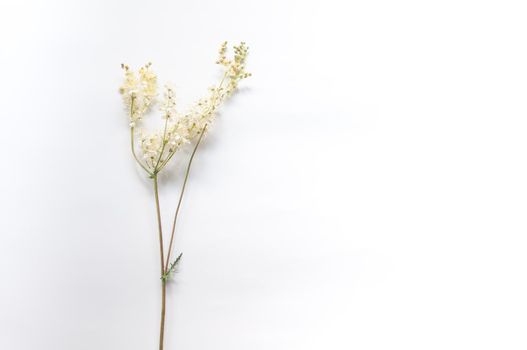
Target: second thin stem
{"type": "Point", "coordinates": [167, 265]}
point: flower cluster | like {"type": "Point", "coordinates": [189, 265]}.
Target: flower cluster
{"type": "Point", "coordinates": [139, 92]}
{"type": "Point", "coordinates": [168, 106]}
{"type": "Point", "coordinates": [235, 68]}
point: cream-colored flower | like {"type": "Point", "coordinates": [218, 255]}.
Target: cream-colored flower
{"type": "Point", "coordinates": [153, 150]}
{"type": "Point", "coordinates": [235, 67]}
{"type": "Point", "coordinates": [139, 92]}
{"type": "Point", "coordinates": [168, 106]}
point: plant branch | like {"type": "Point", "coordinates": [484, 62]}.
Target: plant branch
{"type": "Point", "coordinates": [132, 144]}
{"type": "Point", "coordinates": [181, 197]}
{"type": "Point", "coordinates": [211, 109]}
{"type": "Point", "coordinates": [161, 255]}
{"type": "Point", "coordinates": [160, 229]}
{"type": "Point", "coordinates": [156, 170]}
{"type": "Point", "coordinates": [133, 151]}
{"type": "Point", "coordinates": [163, 312]}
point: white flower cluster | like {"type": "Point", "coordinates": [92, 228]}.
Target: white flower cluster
{"type": "Point", "coordinates": [139, 92]}
{"type": "Point", "coordinates": [235, 68]}
{"type": "Point", "coordinates": [169, 103]}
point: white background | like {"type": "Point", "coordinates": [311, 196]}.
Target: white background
{"type": "Point", "coordinates": [366, 189]}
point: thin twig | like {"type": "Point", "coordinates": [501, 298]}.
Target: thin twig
{"type": "Point", "coordinates": [161, 255]}
{"type": "Point", "coordinates": [163, 313]}
{"type": "Point", "coordinates": [132, 143]}
{"type": "Point", "coordinates": [160, 229]}
{"type": "Point", "coordinates": [156, 170]}
{"type": "Point", "coordinates": [133, 151]}
{"type": "Point", "coordinates": [181, 196]}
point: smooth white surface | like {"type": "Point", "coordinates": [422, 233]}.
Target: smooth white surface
{"type": "Point", "coordinates": [365, 190]}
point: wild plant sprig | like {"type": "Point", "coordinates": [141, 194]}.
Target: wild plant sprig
{"type": "Point", "coordinates": [139, 93]}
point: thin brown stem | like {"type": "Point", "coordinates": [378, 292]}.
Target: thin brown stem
{"type": "Point", "coordinates": [163, 310]}
{"type": "Point", "coordinates": [161, 254]}
{"type": "Point", "coordinates": [160, 229]}
{"type": "Point", "coordinates": [181, 197]}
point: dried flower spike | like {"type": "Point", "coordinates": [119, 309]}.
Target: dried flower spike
{"type": "Point", "coordinates": [139, 93]}
{"type": "Point", "coordinates": [153, 150]}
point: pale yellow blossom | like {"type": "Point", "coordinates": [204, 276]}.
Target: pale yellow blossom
{"type": "Point", "coordinates": [139, 92]}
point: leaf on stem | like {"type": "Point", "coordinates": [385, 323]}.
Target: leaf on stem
{"type": "Point", "coordinates": [172, 268]}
